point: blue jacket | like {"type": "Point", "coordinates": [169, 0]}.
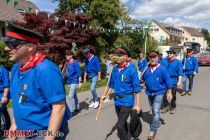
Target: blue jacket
{"type": "Point", "coordinates": [142, 64]}
{"type": "Point", "coordinates": [158, 81]}
{"type": "Point", "coordinates": [41, 86]}
{"type": "Point", "coordinates": [125, 82]}
{"type": "Point", "coordinates": [4, 80]}
{"type": "Point", "coordinates": [92, 66]}
{"type": "Point", "coordinates": [73, 72]}
{"type": "Point", "coordinates": [190, 65]}
{"type": "Point", "coordinates": [163, 61]}
{"type": "Point", "coordinates": [175, 70]}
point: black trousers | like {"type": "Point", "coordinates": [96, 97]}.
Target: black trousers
{"type": "Point", "coordinates": [123, 113]}
{"type": "Point", "coordinates": [173, 101]}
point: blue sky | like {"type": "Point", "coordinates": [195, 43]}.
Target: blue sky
{"type": "Point", "coordinates": [192, 13]}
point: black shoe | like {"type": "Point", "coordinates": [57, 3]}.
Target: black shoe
{"type": "Point", "coordinates": [74, 113]}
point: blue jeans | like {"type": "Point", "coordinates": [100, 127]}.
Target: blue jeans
{"type": "Point", "coordinates": [155, 102]}
{"type": "Point", "coordinates": [190, 77]}
{"type": "Point", "coordinates": [93, 81]}
{"type": "Point", "coordinates": [73, 97]}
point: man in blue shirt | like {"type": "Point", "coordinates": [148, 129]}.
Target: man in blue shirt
{"type": "Point", "coordinates": [4, 97]}
{"type": "Point", "coordinates": [93, 71]}
{"type": "Point", "coordinates": [190, 69]}
{"type": "Point", "coordinates": [142, 62]}
{"type": "Point", "coordinates": [174, 68]}
{"type": "Point", "coordinates": [158, 83]}
{"type": "Point", "coordinates": [73, 74]}
{"type": "Point", "coordinates": [161, 60]}
{"type": "Point", "coordinates": [36, 87]}
{"type": "Point", "coordinates": [126, 85]}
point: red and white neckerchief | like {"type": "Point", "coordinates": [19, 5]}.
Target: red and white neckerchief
{"type": "Point", "coordinates": [91, 57]}
{"type": "Point", "coordinates": [153, 68]}
{"type": "Point", "coordinates": [38, 57]}
{"type": "Point", "coordinates": [142, 59]}
{"type": "Point", "coordinates": [121, 67]}
{"type": "Point", "coordinates": [70, 61]}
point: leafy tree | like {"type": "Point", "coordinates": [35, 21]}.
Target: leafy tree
{"type": "Point", "coordinates": [59, 35]}
{"type": "Point", "coordinates": [206, 34]}
{"type": "Point", "coordinates": [105, 14]}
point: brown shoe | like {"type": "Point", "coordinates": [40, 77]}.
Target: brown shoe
{"type": "Point", "coordinates": [151, 137]}
{"type": "Point", "coordinates": [173, 110]}
{"type": "Point", "coordinates": [165, 109]}
{"type": "Point", "coordinates": [183, 93]}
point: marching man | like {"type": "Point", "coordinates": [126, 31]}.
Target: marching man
{"type": "Point", "coordinates": [174, 68]}
{"type": "Point", "coordinates": [157, 82]}
{"type": "Point", "coordinates": [36, 87]}
{"type": "Point", "coordinates": [190, 69]}
{"type": "Point", "coordinates": [125, 82]}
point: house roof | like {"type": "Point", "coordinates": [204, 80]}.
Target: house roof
{"type": "Point", "coordinates": [8, 12]}
{"type": "Point", "coordinates": [165, 27]}
{"type": "Point", "coordinates": [193, 31]}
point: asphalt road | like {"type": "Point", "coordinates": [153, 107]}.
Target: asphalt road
{"type": "Point", "coordinates": [191, 121]}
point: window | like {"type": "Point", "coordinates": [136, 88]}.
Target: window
{"type": "Point", "coordinates": [21, 11]}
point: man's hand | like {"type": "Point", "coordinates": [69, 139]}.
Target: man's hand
{"type": "Point", "coordinates": [99, 79]}
{"type": "Point", "coordinates": [194, 73]}
{"type": "Point", "coordinates": [179, 84]}
{"type": "Point", "coordinates": [103, 97]}
{"type": "Point", "coordinates": [13, 127]}
{"type": "Point", "coordinates": [137, 108]}
{"type": "Point", "coordinates": [4, 100]}
{"type": "Point", "coordinates": [169, 96]}
{"type": "Point", "coordinates": [80, 85]}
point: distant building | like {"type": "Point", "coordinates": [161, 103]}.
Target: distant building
{"type": "Point", "coordinates": [193, 35]}
{"type": "Point", "coordinates": [9, 13]}
{"type": "Point", "coordinates": [165, 32]}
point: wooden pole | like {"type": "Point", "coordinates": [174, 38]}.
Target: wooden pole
{"type": "Point", "coordinates": [100, 105]}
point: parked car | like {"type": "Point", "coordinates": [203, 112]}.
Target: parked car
{"type": "Point", "coordinates": [204, 59]}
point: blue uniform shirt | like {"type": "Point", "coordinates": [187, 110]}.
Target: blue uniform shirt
{"type": "Point", "coordinates": [41, 86]}
{"type": "Point", "coordinates": [163, 61]}
{"type": "Point", "coordinates": [175, 70]}
{"type": "Point", "coordinates": [4, 80]}
{"type": "Point", "coordinates": [190, 65]}
{"type": "Point", "coordinates": [157, 81]}
{"type": "Point", "coordinates": [73, 72]}
{"type": "Point", "coordinates": [142, 64]}
{"type": "Point", "coordinates": [92, 66]}
{"type": "Point", "coordinates": [125, 82]}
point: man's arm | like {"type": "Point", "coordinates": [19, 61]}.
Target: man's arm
{"type": "Point", "coordinates": [179, 84]}
{"type": "Point", "coordinates": [137, 102]}
{"type": "Point", "coordinates": [5, 96]}
{"type": "Point", "coordinates": [58, 110]}
{"type": "Point", "coordinates": [99, 76]}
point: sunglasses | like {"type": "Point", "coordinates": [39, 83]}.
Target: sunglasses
{"type": "Point", "coordinates": [152, 56]}
{"type": "Point", "coordinates": [170, 53]}
{"type": "Point", "coordinates": [14, 45]}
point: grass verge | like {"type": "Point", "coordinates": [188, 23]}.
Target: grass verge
{"type": "Point", "coordinates": [85, 87]}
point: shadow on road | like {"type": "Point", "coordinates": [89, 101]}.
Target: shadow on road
{"type": "Point", "coordinates": [84, 105]}
{"type": "Point", "coordinates": [147, 117]}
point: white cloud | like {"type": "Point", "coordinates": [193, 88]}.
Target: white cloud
{"type": "Point", "coordinates": [189, 12]}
